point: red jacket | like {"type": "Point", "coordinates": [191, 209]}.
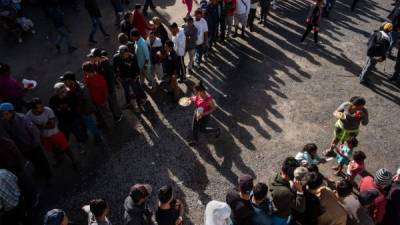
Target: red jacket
{"type": "Point", "coordinates": [379, 207]}
{"type": "Point", "coordinates": [97, 87]}
{"type": "Point", "coordinates": [230, 7]}
{"type": "Point", "coordinates": [138, 22]}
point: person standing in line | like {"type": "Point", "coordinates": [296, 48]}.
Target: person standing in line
{"type": "Point", "coordinates": [349, 116]}
{"type": "Point", "coordinates": [104, 68]}
{"type": "Point", "coordinates": [241, 15]}
{"type": "Point", "coordinates": [229, 12]}
{"type": "Point", "coordinates": [170, 210]}
{"type": "Point", "coordinates": [97, 211]}
{"type": "Point", "coordinates": [239, 200]}
{"type": "Point", "coordinates": [97, 87]}
{"type": "Point", "coordinates": [86, 107]}
{"type": "Point", "coordinates": [125, 24]}
{"type": "Point", "coordinates": [179, 40]}
{"type": "Point", "coordinates": [143, 60]}
{"type": "Point", "coordinates": [136, 210]}
{"type": "Point", "coordinates": [202, 39]}
{"type": "Point", "coordinates": [171, 65]}
{"type": "Point", "coordinates": [53, 140]}
{"type": "Point", "coordinates": [312, 21]}
{"type": "Point", "coordinates": [222, 24]}
{"type": "Point", "coordinates": [95, 15]}
{"type": "Point", "coordinates": [156, 49]}
{"type": "Point", "coordinates": [378, 45]}
{"type": "Point", "coordinates": [217, 213]}
{"type": "Point", "coordinates": [265, 6]}
{"type": "Point", "coordinates": [139, 22]}
{"type": "Point", "coordinates": [63, 32]}
{"type": "Point", "coordinates": [159, 30]}
{"type": "Point", "coordinates": [189, 6]}
{"type": "Point", "coordinates": [204, 105]}
{"type": "Point", "coordinates": [119, 11]}
{"type": "Point", "coordinates": [212, 18]}
{"type": "Point", "coordinates": [191, 38]}
{"type": "Point", "coordinates": [252, 14]}
{"type": "Point", "coordinates": [392, 214]}
{"type": "Point", "coordinates": [148, 3]}
{"type": "Point", "coordinates": [262, 206]}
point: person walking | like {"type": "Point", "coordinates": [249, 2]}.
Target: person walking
{"type": "Point", "coordinates": [159, 30]}
{"type": "Point", "coordinates": [189, 6]}
{"type": "Point", "coordinates": [229, 12]}
{"type": "Point", "coordinates": [204, 105]}
{"type": "Point", "coordinates": [265, 6]}
{"type": "Point", "coordinates": [241, 15]}
{"type": "Point", "coordinates": [202, 38]}
{"type": "Point", "coordinates": [252, 14]}
{"type": "Point", "coordinates": [378, 45]}
{"type": "Point", "coordinates": [95, 15]}
{"type": "Point", "coordinates": [63, 32]}
{"type": "Point", "coordinates": [136, 209]}
{"type": "Point", "coordinates": [156, 49]}
{"type": "Point", "coordinates": [191, 38]}
{"type": "Point", "coordinates": [179, 39]}
{"type": "Point", "coordinates": [118, 10]}
{"type": "Point", "coordinates": [312, 21]}
{"type": "Point", "coordinates": [139, 22]}
{"type": "Point", "coordinates": [212, 18]}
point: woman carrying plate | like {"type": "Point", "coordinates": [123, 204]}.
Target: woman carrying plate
{"type": "Point", "coordinates": [204, 105]}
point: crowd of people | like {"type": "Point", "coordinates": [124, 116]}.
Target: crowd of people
{"type": "Point", "coordinates": [152, 57]}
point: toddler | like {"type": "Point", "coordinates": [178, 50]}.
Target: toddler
{"type": "Point", "coordinates": [343, 155]}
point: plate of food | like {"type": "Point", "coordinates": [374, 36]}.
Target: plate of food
{"type": "Point", "coordinates": [185, 101]}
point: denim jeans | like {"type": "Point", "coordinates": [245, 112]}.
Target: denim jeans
{"type": "Point", "coordinates": [371, 62]}
{"type": "Point", "coordinates": [127, 84]}
{"type": "Point", "coordinates": [96, 23]}
{"type": "Point", "coordinates": [90, 123]}
{"type": "Point", "coordinates": [199, 53]}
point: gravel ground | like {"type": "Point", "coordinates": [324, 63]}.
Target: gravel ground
{"type": "Point", "coordinates": [273, 95]}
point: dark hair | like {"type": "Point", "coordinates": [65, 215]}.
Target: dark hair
{"type": "Point", "coordinates": [260, 191]}
{"type": "Point", "coordinates": [315, 180]}
{"type": "Point", "coordinates": [165, 194]}
{"type": "Point", "coordinates": [169, 44]}
{"type": "Point", "coordinates": [357, 100]}
{"type": "Point", "coordinates": [310, 147]}
{"type": "Point", "coordinates": [135, 33]}
{"type": "Point", "coordinates": [98, 206]}
{"type": "Point", "coordinates": [34, 102]}
{"type": "Point", "coordinates": [138, 6]}
{"type": "Point", "coordinates": [344, 188]}
{"type": "Point", "coordinates": [4, 69]}
{"type": "Point", "coordinates": [173, 25]}
{"type": "Point", "coordinates": [88, 67]}
{"type": "Point", "coordinates": [198, 11]}
{"type": "Point", "coordinates": [352, 141]}
{"type": "Point", "coordinates": [312, 168]}
{"type": "Point", "coordinates": [199, 86]}
{"type": "Point", "coordinates": [127, 15]}
{"type": "Point", "coordinates": [359, 156]}
{"type": "Point", "coordinates": [289, 165]}
{"type": "Point", "coordinates": [189, 19]}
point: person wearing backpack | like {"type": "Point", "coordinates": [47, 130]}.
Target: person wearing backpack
{"type": "Point", "coordinates": [312, 21]}
{"type": "Point", "coordinates": [378, 45]}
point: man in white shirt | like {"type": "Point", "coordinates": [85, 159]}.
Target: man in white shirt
{"type": "Point", "coordinates": [179, 40]}
{"type": "Point", "coordinates": [202, 38]}
{"type": "Point", "coordinates": [241, 15]}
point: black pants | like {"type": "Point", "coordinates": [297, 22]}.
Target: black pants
{"type": "Point", "coordinates": [76, 128]}
{"type": "Point", "coordinates": [36, 156]}
{"type": "Point", "coordinates": [250, 20]}
{"type": "Point", "coordinates": [308, 30]}
{"type": "Point", "coordinates": [353, 5]}
{"type": "Point", "coordinates": [264, 14]}
{"type": "Point", "coordinates": [181, 70]}
{"type": "Point", "coordinates": [148, 3]}
{"type": "Point", "coordinates": [201, 125]}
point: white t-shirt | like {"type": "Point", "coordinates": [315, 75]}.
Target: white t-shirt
{"type": "Point", "coordinates": [202, 27]}
{"type": "Point", "coordinates": [42, 119]}
{"type": "Point", "coordinates": [92, 219]}
{"type": "Point", "coordinates": [156, 43]}
{"type": "Point", "coordinates": [179, 42]}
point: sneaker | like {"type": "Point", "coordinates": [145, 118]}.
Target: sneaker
{"type": "Point", "coordinates": [71, 49]}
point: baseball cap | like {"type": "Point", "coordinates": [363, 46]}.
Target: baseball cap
{"type": "Point", "coordinates": [368, 197]}
{"type": "Point", "coordinates": [94, 52]}
{"type": "Point", "coordinates": [246, 183]}
{"type": "Point", "coordinates": [68, 76]}
{"type": "Point", "coordinates": [54, 217]}
{"type": "Point", "coordinates": [6, 107]}
{"type": "Point", "coordinates": [142, 190]}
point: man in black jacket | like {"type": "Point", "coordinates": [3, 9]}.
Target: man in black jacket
{"type": "Point", "coordinates": [136, 212]}
{"type": "Point", "coordinates": [378, 45]}
{"type": "Point", "coordinates": [95, 15]}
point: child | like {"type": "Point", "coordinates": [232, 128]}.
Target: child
{"type": "Point", "coordinates": [261, 205]}
{"type": "Point", "coordinates": [97, 211]}
{"type": "Point", "coordinates": [356, 166]}
{"type": "Point", "coordinates": [349, 201]}
{"type": "Point", "coordinates": [170, 210]}
{"type": "Point", "coordinates": [344, 154]}
{"type": "Point", "coordinates": [309, 155]}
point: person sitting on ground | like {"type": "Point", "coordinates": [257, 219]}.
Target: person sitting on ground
{"type": "Point", "coordinates": [136, 210]}
{"type": "Point", "coordinates": [334, 213]}
{"type": "Point", "coordinates": [170, 210]}
{"type": "Point", "coordinates": [356, 165]}
{"type": "Point", "coordinates": [349, 116]}
{"type": "Point", "coordinates": [286, 192]}
{"type": "Point", "coordinates": [261, 205]}
{"type": "Point", "coordinates": [217, 213]}
{"type": "Point", "coordinates": [350, 202]}
{"type": "Point", "coordinates": [344, 154]}
{"type": "Point", "coordinates": [381, 182]}
{"type": "Point", "coordinates": [309, 155]}
{"type": "Point", "coordinates": [53, 140]}
{"type": "Point", "coordinates": [56, 217]}
{"type": "Point", "coordinates": [97, 211]}
{"type": "Point", "coordinates": [238, 199]}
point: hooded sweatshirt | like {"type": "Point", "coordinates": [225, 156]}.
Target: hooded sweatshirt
{"type": "Point", "coordinates": [217, 213]}
{"type": "Point", "coordinates": [284, 199]}
{"type": "Point", "coordinates": [136, 214]}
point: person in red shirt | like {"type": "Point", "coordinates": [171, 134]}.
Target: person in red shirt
{"type": "Point", "coordinates": [98, 92]}
{"type": "Point", "coordinates": [229, 10]}
{"type": "Point", "coordinates": [138, 21]}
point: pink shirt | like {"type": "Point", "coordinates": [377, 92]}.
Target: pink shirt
{"type": "Point", "coordinates": [202, 102]}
